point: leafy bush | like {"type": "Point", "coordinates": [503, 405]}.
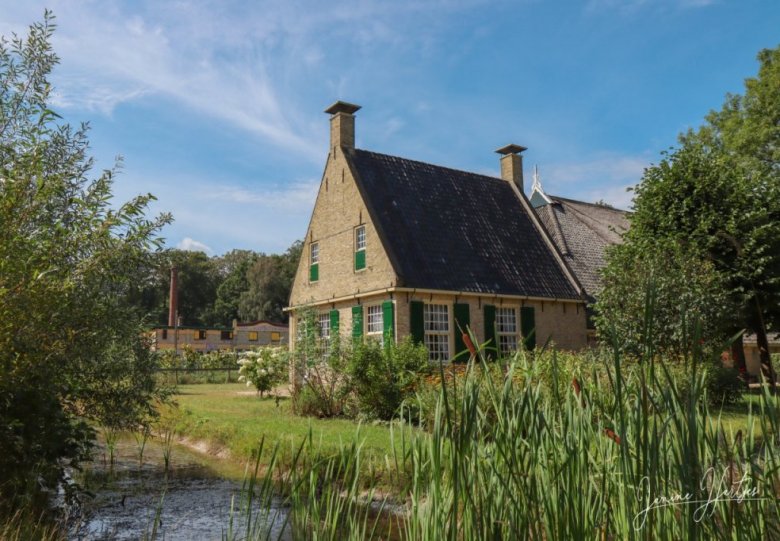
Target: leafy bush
{"type": "Point", "coordinates": [265, 368]}
{"type": "Point", "coordinates": [724, 385]}
{"type": "Point", "coordinates": [382, 377]}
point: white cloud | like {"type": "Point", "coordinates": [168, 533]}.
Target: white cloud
{"type": "Point", "coordinates": [239, 62]}
{"type": "Point", "coordinates": [192, 245]}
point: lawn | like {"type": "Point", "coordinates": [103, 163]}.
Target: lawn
{"type": "Point", "coordinates": [232, 417]}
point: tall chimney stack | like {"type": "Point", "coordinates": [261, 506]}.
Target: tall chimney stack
{"type": "Point", "coordinates": [342, 124]}
{"type": "Point", "coordinates": [173, 300]}
{"type": "Point", "coordinates": [512, 164]}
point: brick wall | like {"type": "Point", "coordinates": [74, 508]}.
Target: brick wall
{"type": "Point", "coordinates": [338, 211]}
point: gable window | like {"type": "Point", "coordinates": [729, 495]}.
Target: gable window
{"type": "Point", "coordinates": [314, 262]}
{"type": "Point", "coordinates": [436, 325]}
{"type": "Point", "coordinates": [506, 329]}
{"type": "Point", "coordinates": [360, 247]}
{"type": "Point", "coordinates": [323, 324]}
{"type": "Point", "coordinates": [253, 336]}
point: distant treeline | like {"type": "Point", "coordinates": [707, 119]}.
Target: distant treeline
{"type": "Point", "coordinates": [213, 291]}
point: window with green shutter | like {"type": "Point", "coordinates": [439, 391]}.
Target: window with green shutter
{"type": "Point", "coordinates": [528, 326]}
{"type": "Point", "coordinates": [416, 321]}
{"type": "Point", "coordinates": [462, 323]}
{"type": "Point", "coordinates": [314, 262]}
{"type": "Point", "coordinates": [357, 322]}
{"type": "Point", "coordinates": [360, 247]}
{"type": "Point", "coordinates": [490, 329]}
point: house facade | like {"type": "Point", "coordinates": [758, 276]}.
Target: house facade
{"type": "Point", "coordinates": [398, 248]}
{"type": "Point", "coordinates": [241, 336]}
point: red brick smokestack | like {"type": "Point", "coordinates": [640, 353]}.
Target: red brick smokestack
{"type": "Point", "coordinates": [173, 300]}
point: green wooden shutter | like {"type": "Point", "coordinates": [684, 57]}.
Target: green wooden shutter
{"type": "Point", "coordinates": [490, 330]}
{"type": "Point", "coordinates": [314, 272]}
{"type": "Point", "coordinates": [357, 322]}
{"type": "Point", "coordinates": [416, 321]}
{"type": "Point", "coordinates": [360, 260]}
{"type": "Point", "coordinates": [462, 322]}
{"type": "Point", "coordinates": [388, 319]}
{"type": "Point", "coordinates": [334, 323]}
{"type": "Point", "coordinates": [528, 326]}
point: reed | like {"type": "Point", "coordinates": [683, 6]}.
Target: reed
{"type": "Point", "coordinates": [619, 452]}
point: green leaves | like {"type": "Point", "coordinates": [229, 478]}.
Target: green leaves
{"type": "Point", "coordinates": [71, 345]}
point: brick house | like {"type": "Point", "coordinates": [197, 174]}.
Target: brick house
{"type": "Point", "coordinates": [239, 337]}
{"type": "Point", "coordinates": [397, 247]}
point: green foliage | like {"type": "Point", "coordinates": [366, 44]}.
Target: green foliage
{"type": "Point", "coordinates": [71, 346]}
{"type": "Point", "coordinates": [383, 376]}
{"type": "Point", "coordinates": [320, 381]}
{"type": "Point", "coordinates": [265, 368]}
{"type": "Point", "coordinates": [651, 287]}
{"type": "Point", "coordinates": [717, 197]}
{"type": "Point", "coordinates": [624, 455]}
{"type": "Point", "coordinates": [270, 281]}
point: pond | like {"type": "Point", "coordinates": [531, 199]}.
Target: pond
{"type": "Point", "coordinates": [192, 500]}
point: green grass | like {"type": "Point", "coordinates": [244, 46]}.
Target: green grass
{"type": "Point", "coordinates": [737, 417]}
{"type": "Point", "coordinates": [233, 417]}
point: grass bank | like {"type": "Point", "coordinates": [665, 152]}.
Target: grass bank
{"type": "Point", "coordinates": [232, 418]}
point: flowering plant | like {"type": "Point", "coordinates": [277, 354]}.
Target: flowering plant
{"type": "Point", "coordinates": [265, 368]}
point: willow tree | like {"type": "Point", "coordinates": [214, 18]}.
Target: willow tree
{"type": "Point", "coordinates": [71, 346]}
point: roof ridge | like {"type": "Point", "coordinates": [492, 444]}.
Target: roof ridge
{"type": "Point", "coordinates": [481, 175]}
{"type": "Point", "coordinates": [597, 205]}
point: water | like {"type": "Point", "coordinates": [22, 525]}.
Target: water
{"type": "Point", "coordinates": [191, 502]}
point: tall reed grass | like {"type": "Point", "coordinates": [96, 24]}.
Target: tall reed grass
{"type": "Point", "coordinates": [625, 455]}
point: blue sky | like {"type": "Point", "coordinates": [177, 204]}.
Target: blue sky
{"type": "Point", "coordinates": [216, 106]}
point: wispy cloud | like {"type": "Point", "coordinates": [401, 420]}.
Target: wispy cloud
{"type": "Point", "coordinates": [241, 63]}
{"type": "Point", "coordinates": [192, 245]}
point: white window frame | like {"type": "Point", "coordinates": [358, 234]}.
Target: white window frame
{"type": "Point", "coordinates": [374, 317]}
{"type": "Point", "coordinates": [360, 235]}
{"type": "Point", "coordinates": [323, 323]}
{"type": "Point", "coordinates": [437, 332]}
{"type": "Point", "coordinates": [314, 253]}
{"type": "Point", "coordinates": [507, 329]}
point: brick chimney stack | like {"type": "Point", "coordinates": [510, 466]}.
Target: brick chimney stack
{"type": "Point", "coordinates": [512, 164]}
{"type": "Point", "coordinates": [173, 300]}
{"type": "Point", "coordinates": [342, 124]}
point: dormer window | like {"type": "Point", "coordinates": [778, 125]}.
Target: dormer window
{"type": "Point", "coordinates": [360, 247]}
{"type": "Point", "coordinates": [314, 262]}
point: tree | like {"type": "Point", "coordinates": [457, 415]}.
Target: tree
{"type": "Point", "coordinates": [198, 280]}
{"type": "Point", "coordinates": [718, 194]}
{"type": "Point", "coordinates": [234, 267]}
{"type": "Point", "coordinates": [270, 282]}
{"type": "Point", "coordinates": [655, 295]}
{"type": "Point", "coordinates": [71, 345]}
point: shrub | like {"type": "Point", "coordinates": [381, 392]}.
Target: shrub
{"type": "Point", "coordinates": [265, 368]}
{"type": "Point", "coordinates": [383, 376]}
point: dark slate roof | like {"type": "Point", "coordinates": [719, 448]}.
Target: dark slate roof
{"type": "Point", "coordinates": [582, 232]}
{"type": "Point", "coordinates": [453, 230]}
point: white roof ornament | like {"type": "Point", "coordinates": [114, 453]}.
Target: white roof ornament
{"type": "Point", "coordinates": [536, 186]}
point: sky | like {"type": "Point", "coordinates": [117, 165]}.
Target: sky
{"type": "Point", "coordinates": [216, 106]}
